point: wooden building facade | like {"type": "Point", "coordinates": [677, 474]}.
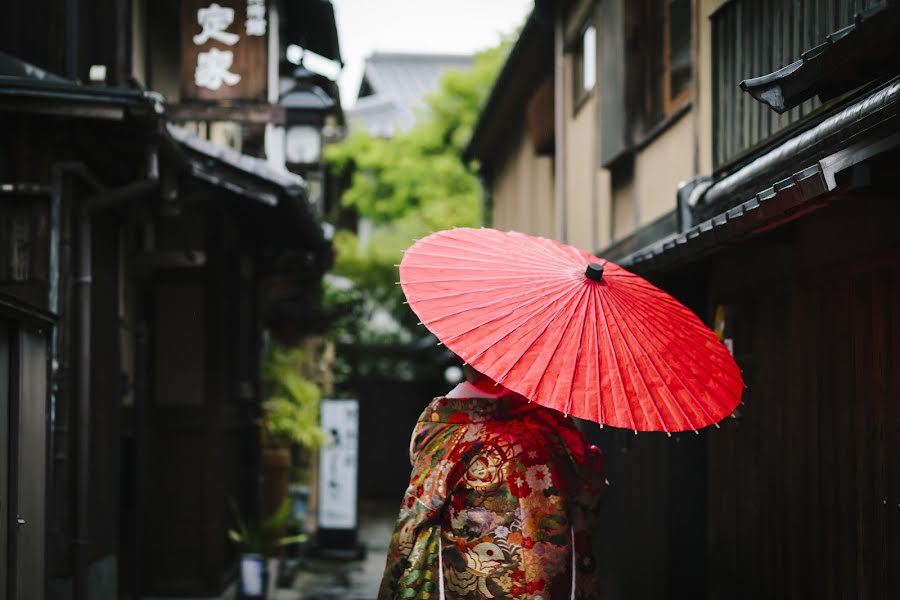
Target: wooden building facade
{"type": "Point", "coordinates": [138, 270]}
{"type": "Point", "coordinates": [779, 232]}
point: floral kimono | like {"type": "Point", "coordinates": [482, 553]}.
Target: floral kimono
{"type": "Point", "coordinates": [499, 505]}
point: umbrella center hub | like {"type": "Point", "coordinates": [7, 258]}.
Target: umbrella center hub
{"type": "Point", "coordinates": [594, 272]}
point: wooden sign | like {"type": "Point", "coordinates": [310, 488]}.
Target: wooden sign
{"type": "Point", "coordinates": [224, 50]}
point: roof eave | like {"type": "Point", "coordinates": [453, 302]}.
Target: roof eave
{"type": "Point", "coordinates": [251, 178]}
{"type": "Point", "coordinates": [519, 72]}
{"type": "Point", "coordinates": [859, 53]}
{"type": "Point", "coordinates": [859, 132]}
{"type": "Point", "coordinates": [311, 25]}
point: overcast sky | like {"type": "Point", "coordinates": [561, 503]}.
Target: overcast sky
{"type": "Point", "coordinates": [432, 26]}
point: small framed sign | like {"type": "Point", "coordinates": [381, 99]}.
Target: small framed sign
{"type": "Point", "coordinates": [338, 467]}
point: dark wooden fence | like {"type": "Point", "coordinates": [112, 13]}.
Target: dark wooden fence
{"type": "Point", "coordinates": [752, 38]}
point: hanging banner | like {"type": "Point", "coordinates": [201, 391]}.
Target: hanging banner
{"type": "Point", "coordinates": [224, 50]}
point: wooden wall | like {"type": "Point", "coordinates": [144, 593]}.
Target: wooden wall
{"type": "Point", "coordinates": [651, 539]}
{"type": "Point", "coordinates": [804, 490]}
{"type": "Point", "coordinates": [47, 34]}
{"type": "Point", "coordinates": [800, 496]}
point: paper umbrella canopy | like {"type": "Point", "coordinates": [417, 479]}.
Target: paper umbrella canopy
{"type": "Point", "coordinates": [570, 331]}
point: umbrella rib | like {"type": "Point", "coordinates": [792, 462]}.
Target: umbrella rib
{"type": "Point", "coordinates": [585, 293]}
{"type": "Point", "coordinates": [537, 323]}
{"type": "Point", "coordinates": [553, 250]}
{"type": "Point", "coordinates": [694, 364]}
{"type": "Point", "coordinates": [658, 374]}
{"type": "Point", "coordinates": [480, 325]}
{"type": "Point", "coordinates": [615, 354]}
{"type": "Point", "coordinates": [573, 303]}
{"type": "Point", "coordinates": [548, 283]}
{"type": "Point", "coordinates": [466, 309]}
{"type": "Point", "coordinates": [567, 323]}
{"type": "Point", "coordinates": [660, 297]}
{"type": "Point", "coordinates": [619, 325]}
{"type": "Point", "coordinates": [497, 273]}
{"type": "Point", "coordinates": [529, 271]}
{"type": "Point", "coordinates": [467, 247]}
{"type": "Point", "coordinates": [679, 311]}
{"type": "Point", "coordinates": [464, 280]}
{"type": "Point", "coordinates": [689, 344]}
{"type": "Point", "coordinates": [550, 249]}
{"type": "Point", "coordinates": [683, 315]}
{"type": "Point", "coordinates": [523, 293]}
{"type": "Point", "coordinates": [530, 344]}
{"type": "Point", "coordinates": [593, 315]}
{"type": "Point", "coordinates": [570, 254]}
{"type": "Point", "coordinates": [494, 259]}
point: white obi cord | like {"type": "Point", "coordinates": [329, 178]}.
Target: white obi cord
{"type": "Point", "coordinates": [572, 529]}
{"type": "Point", "coordinates": [441, 564]}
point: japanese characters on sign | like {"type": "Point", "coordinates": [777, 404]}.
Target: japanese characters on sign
{"type": "Point", "coordinates": [256, 17]}
{"type": "Point", "coordinates": [224, 49]}
{"type": "Point", "coordinates": [212, 69]}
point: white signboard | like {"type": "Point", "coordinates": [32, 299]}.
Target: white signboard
{"type": "Point", "coordinates": [338, 464]}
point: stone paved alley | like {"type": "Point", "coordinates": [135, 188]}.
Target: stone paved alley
{"type": "Point", "coordinates": [331, 579]}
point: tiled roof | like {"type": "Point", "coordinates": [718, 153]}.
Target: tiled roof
{"type": "Point", "coordinates": [295, 219]}
{"type": "Point", "coordinates": [866, 49]}
{"type": "Point", "coordinates": [255, 167]}
{"type": "Point", "coordinates": [34, 87]}
{"type": "Point", "coordinates": [400, 83]}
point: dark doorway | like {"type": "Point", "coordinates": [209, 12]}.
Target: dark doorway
{"type": "Point", "coordinates": [24, 339]}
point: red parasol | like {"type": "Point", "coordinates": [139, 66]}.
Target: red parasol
{"type": "Point", "coordinates": [570, 331]}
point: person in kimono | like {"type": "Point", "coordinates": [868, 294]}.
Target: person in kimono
{"type": "Point", "coordinates": [500, 503]}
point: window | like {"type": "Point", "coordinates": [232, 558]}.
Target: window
{"type": "Point", "coordinates": [677, 60]}
{"type": "Point", "coordinates": [584, 65]}
{"type": "Point", "coordinates": [646, 69]}
{"type": "Point", "coordinates": [661, 61]}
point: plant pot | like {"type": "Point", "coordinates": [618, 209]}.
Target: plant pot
{"type": "Point", "coordinates": [253, 576]}
{"type": "Point", "coordinates": [276, 464]}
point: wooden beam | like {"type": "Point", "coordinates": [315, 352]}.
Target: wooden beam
{"type": "Point", "coordinates": [246, 113]}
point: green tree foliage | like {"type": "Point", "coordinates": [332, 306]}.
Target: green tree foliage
{"type": "Point", "coordinates": [407, 187]}
{"type": "Point", "coordinates": [416, 181]}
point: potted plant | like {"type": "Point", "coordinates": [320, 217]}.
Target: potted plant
{"type": "Point", "coordinates": [290, 419]}
{"type": "Point", "coordinates": [259, 546]}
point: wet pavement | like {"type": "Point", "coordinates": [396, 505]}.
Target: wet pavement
{"type": "Point", "coordinates": [348, 579]}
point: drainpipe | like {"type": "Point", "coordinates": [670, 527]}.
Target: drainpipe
{"type": "Point", "coordinates": [81, 281]}
{"type": "Point", "coordinates": [559, 138]}
{"type": "Point", "coordinates": [142, 371]}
